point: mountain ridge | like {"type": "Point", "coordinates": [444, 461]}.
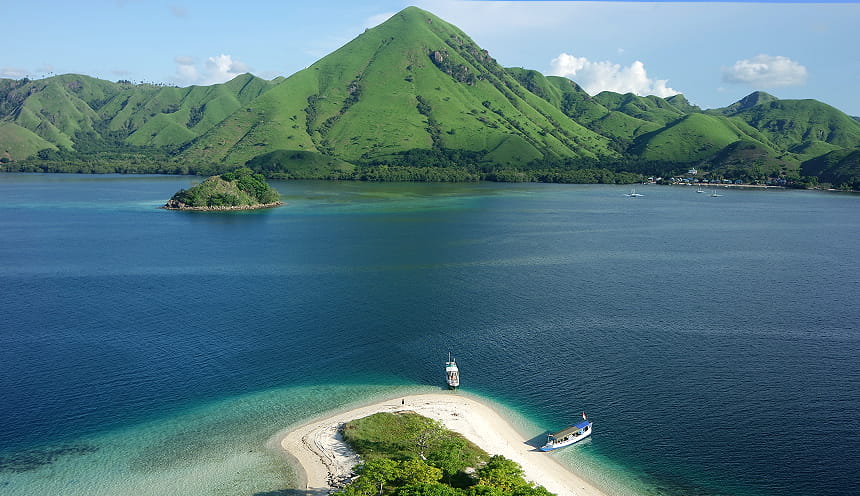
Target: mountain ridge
{"type": "Point", "coordinates": [412, 88]}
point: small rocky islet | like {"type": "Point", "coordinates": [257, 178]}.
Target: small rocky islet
{"type": "Point", "coordinates": [242, 189]}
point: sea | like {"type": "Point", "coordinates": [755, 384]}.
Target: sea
{"type": "Point", "coordinates": [714, 341]}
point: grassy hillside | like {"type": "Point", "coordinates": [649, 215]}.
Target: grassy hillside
{"type": "Point", "coordinates": [690, 138]}
{"type": "Point", "coordinates": [55, 109]}
{"type": "Point", "coordinates": [283, 164]}
{"type": "Point", "coordinates": [621, 128]}
{"type": "Point", "coordinates": [174, 116]}
{"type": "Point", "coordinates": [413, 82]}
{"type": "Point", "coordinates": [750, 161]}
{"type": "Point", "coordinates": [80, 114]}
{"type": "Point", "coordinates": [839, 168]}
{"type": "Point", "coordinates": [795, 125]}
{"type": "Point", "coordinates": [413, 93]}
{"type": "Point", "coordinates": [17, 142]}
{"type": "Point", "coordinates": [647, 108]}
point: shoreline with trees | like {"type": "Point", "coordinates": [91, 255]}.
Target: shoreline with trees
{"type": "Point", "coordinates": [327, 463]}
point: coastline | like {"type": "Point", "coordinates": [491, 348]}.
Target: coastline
{"type": "Point", "coordinates": [172, 205]}
{"type": "Point", "coordinates": [325, 462]}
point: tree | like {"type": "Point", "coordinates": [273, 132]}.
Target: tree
{"type": "Point", "coordinates": [532, 491]}
{"type": "Point", "coordinates": [358, 488]}
{"type": "Point", "coordinates": [427, 436]}
{"type": "Point", "coordinates": [484, 491]}
{"type": "Point", "coordinates": [501, 473]}
{"type": "Point", "coordinates": [417, 472]}
{"type": "Point", "coordinates": [451, 456]}
{"type": "Point", "coordinates": [428, 489]}
{"type": "Point", "coordinates": [379, 472]}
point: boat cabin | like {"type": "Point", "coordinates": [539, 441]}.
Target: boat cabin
{"type": "Point", "coordinates": [573, 431]}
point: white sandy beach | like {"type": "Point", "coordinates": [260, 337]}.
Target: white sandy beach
{"type": "Point", "coordinates": [325, 459]}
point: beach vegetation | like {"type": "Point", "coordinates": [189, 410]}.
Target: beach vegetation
{"type": "Point", "coordinates": [406, 454]}
{"type": "Point", "coordinates": [501, 473]}
{"type": "Point", "coordinates": [428, 489]}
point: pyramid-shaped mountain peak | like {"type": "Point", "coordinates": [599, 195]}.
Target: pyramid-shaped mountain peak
{"type": "Point", "coordinates": [751, 100]}
{"type": "Point", "coordinates": [414, 83]}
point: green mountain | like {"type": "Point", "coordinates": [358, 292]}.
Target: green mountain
{"type": "Point", "coordinates": [414, 99]}
{"type": "Point", "coordinates": [413, 82]}
{"type": "Point", "coordinates": [691, 137]}
{"type": "Point", "coordinates": [799, 126]}
{"type": "Point", "coordinates": [66, 110]}
{"type": "Point", "coordinates": [647, 108]}
{"type": "Point", "coordinates": [565, 94]}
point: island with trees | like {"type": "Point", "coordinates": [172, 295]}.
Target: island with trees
{"type": "Point", "coordinates": [406, 454]}
{"type": "Point", "coordinates": [241, 189]}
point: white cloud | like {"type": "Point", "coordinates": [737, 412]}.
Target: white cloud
{"type": "Point", "coordinates": [765, 71]}
{"type": "Point", "coordinates": [595, 77]}
{"type": "Point", "coordinates": [217, 69]}
{"type": "Point", "coordinates": [223, 68]}
{"type": "Point", "coordinates": [186, 71]}
{"type": "Point", "coordinates": [377, 19]}
{"type": "Point", "coordinates": [12, 72]}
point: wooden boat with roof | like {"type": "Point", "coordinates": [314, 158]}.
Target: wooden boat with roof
{"type": "Point", "coordinates": [567, 436]}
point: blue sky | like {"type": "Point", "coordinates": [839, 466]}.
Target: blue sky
{"type": "Point", "coordinates": [713, 53]}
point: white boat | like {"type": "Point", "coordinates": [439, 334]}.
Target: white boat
{"type": "Point", "coordinates": [633, 194]}
{"type": "Point", "coordinates": [700, 190]}
{"type": "Point", "coordinates": [452, 373]}
{"type": "Point", "coordinates": [715, 194]}
{"type": "Point", "coordinates": [571, 435]}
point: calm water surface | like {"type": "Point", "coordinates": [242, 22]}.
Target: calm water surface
{"type": "Point", "coordinates": [713, 341]}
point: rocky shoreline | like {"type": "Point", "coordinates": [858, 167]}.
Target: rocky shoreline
{"type": "Point", "coordinates": [178, 205]}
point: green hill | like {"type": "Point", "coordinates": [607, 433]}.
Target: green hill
{"type": "Point", "coordinates": [690, 138]}
{"type": "Point", "coordinates": [17, 142]}
{"type": "Point", "coordinates": [283, 164]}
{"type": "Point", "coordinates": [839, 168]}
{"type": "Point", "coordinates": [585, 109]}
{"type": "Point", "coordinates": [794, 125]}
{"type": "Point", "coordinates": [413, 82]}
{"type": "Point", "coordinates": [171, 116]}
{"type": "Point", "coordinates": [55, 109]}
{"type": "Point", "coordinates": [753, 99]}
{"type": "Point", "coordinates": [749, 161]}
{"type": "Point", "coordinates": [75, 114]}
{"type": "Point", "coordinates": [411, 99]}
{"type": "Point", "coordinates": [647, 108]}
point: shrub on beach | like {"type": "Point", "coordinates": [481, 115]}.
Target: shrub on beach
{"type": "Point", "coordinates": [406, 454]}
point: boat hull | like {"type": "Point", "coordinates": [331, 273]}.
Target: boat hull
{"type": "Point", "coordinates": [452, 374]}
{"type": "Point", "coordinates": [573, 438]}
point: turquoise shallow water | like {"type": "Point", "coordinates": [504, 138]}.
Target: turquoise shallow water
{"type": "Point", "coordinates": [155, 352]}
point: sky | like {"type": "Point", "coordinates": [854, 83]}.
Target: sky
{"type": "Point", "coordinates": [715, 53]}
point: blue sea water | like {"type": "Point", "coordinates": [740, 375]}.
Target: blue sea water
{"type": "Point", "coordinates": [713, 341]}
